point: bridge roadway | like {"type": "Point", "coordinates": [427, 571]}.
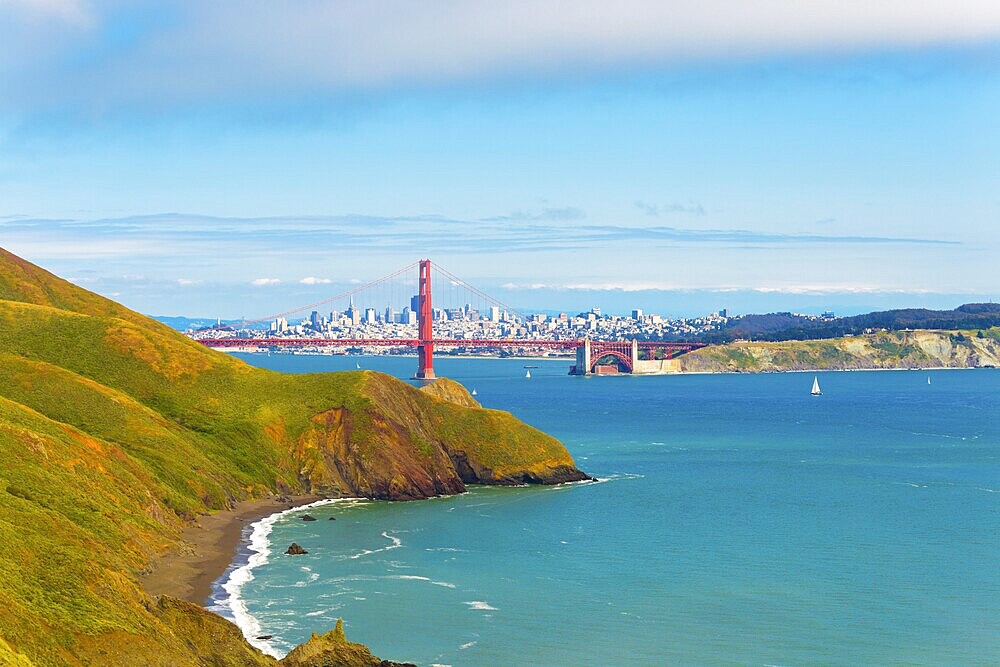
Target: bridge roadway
{"type": "Point", "coordinates": [622, 355]}
{"type": "Point", "coordinates": [443, 342]}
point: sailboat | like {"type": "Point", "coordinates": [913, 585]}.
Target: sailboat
{"type": "Point", "coordinates": [928, 379]}
{"type": "Point", "coordinates": [474, 392]}
{"type": "Point", "coordinates": [527, 375]}
{"type": "Point", "coordinates": [358, 365]}
{"type": "Point", "coordinates": [816, 390]}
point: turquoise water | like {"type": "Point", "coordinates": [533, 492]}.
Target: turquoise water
{"type": "Point", "coordinates": [739, 520]}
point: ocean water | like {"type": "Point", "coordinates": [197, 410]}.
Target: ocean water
{"type": "Point", "coordinates": [737, 520]}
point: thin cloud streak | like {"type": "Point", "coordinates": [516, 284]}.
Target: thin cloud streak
{"type": "Point", "coordinates": [812, 290]}
{"type": "Point", "coordinates": [265, 264]}
{"type": "Point", "coordinates": [200, 236]}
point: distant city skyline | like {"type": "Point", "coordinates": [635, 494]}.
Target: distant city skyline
{"type": "Point", "coordinates": [225, 161]}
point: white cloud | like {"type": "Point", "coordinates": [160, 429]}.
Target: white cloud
{"type": "Point", "coordinates": [265, 282]}
{"type": "Point", "coordinates": [68, 11]}
{"type": "Point", "coordinates": [383, 41]}
{"type": "Point", "coordinates": [258, 47]}
{"type": "Point", "coordinates": [310, 280]}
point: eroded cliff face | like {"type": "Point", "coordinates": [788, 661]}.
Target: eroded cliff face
{"type": "Point", "coordinates": [388, 461]}
{"type": "Point", "coordinates": [409, 444]}
{"type": "Point", "coordinates": [888, 350]}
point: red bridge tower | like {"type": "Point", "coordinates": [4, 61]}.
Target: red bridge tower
{"type": "Point", "coordinates": [425, 324]}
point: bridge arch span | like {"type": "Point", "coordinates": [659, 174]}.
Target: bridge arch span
{"type": "Point", "coordinates": [624, 359]}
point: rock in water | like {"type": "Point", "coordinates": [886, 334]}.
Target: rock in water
{"type": "Point", "coordinates": [332, 518]}
{"type": "Point", "coordinates": [295, 550]}
{"type": "Point", "coordinates": [308, 517]}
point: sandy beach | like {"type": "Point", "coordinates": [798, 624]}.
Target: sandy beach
{"type": "Point", "coordinates": [208, 547]}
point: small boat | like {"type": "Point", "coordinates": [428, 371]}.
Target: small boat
{"type": "Point", "coordinates": [529, 366]}
{"type": "Point", "coordinates": [358, 365]}
{"type": "Point", "coordinates": [474, 392]}
{"type": "Point", "coordinates": [928, 379]}
{"type": "Point", "coordinates": [527, 375]}
{"type": "Point", "coordinates": [816, 390]}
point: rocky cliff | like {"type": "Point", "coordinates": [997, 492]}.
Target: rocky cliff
{"type": "Point", "coordinates": [887, 350]}
{"type": "Point", "coordinates": [116, 432]}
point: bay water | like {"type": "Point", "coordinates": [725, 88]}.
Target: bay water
{"type": "Point", "coordinates": [736, 520]}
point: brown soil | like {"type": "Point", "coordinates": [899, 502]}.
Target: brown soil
{"type": "Point", "coordinates": [207, 548]}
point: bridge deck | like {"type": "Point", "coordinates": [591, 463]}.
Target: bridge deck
{"type": "Point", "coordinates": [438, 342]}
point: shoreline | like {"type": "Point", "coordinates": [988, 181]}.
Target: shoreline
{"type": "Point", "coordinates": [258, 545]}
{"type": "Point", "coordinates": [570, 358]}
{"type": "Point", "coordinates": [312, 353]}
{"type": "Point", "coordinates": [206, 549]}
{"type": "Point", "coordinates": [804, 370]}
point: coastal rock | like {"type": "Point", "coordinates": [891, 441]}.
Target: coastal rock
{"type": "Point", "coordinates": [308, 517]}
{"type": "Point", "coordinates": [332, 518]}
{"type": "Point", "coordinates": [295, 550]}
{"type": "Point", "coordinates": [473, 472]}
{"type": "Point", "coordinates": [451, 391]}
{"type": "Point", "coordinates": [332, 649]}
{"type": "Point", "coordinates": [882, 350]}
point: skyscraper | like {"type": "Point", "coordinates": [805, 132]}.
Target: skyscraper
{"type": "Point", "coordinates": [353, 314]}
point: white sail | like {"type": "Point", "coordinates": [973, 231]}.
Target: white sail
{"type": "Point", "coordinates": [928, 379]}
{"type": "Point", "coordinates": [474, 392]}
{"type": "Point", "coordinates": [527, 375]}
{"type": "Point", "coordinates": [815, 390]}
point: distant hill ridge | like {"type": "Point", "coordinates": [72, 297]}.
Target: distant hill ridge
{"type": "Point", "coordinates": [788, 326]}
{"type": "Point", "coordinates": [116, 432]}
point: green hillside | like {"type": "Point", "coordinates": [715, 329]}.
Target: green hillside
{"type": "Point", "coordinates": [115, 431]}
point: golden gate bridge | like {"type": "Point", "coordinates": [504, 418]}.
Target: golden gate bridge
{"type": "Point", "coordinates": [592, 356]}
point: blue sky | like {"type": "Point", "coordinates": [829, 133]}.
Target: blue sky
{"type": "Point", "coordinates": [242, 158]}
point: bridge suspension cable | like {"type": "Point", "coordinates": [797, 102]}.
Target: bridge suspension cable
{"type": "Point", "coordinates": [337, 297]}
{"type": "Point", "coordinates": [480, 293]}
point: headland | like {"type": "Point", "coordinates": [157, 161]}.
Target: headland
{"type": "Point", "coordinates": [118, 435]}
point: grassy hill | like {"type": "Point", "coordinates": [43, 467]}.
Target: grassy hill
{"type": "Point", "coordinates": [115, 431]}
